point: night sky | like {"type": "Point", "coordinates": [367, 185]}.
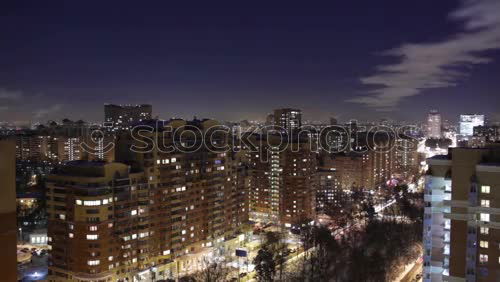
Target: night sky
{"type": "Point", "coordinates": [238, 60]}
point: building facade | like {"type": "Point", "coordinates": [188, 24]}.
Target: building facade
{"type": "Point", "coordinates": [462, 216]}
{"type": "Point", "coordinates": [468, 122]}
{"type": "Point", "coordinates": [434, 125]}
{"type": "Point", "coordinates": [282, 182]}
{"type": "Point", "coordinates": [288, 119]}
{"type": "Point", "coordinates": [8, 226]}
{"type": "Point", "coordinates": [125, 116]}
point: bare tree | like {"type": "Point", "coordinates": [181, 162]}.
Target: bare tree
{"type": "Point", "coordinates": [212, 271]}
{"type": "Point", "coordinates": [276, 244]}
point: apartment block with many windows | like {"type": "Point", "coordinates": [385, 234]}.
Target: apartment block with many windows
{"type": "Point", "coordinates": [462, 216]}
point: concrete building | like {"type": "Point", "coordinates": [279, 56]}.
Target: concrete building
{"type": "Point", "coordinates": [468, 122]}
{"type": "Point", "coordinates": [38, 148]}
{"type": "Point", "coordinates": [289, 119]}
{"type": "Point", "coordinates": [152, 218]}
{"type": "Point", "coordinates": [281, 182]}
{"type": "Point", "coordinates": [96, 226]}
{"type": "Point", "coordinates": [8, 226]}
{"type": "Point", "coordinates": [490, 133]}
{"type": "Point", "coordinates": [200, 196]}
{"type": "Point", "coordinates": [462, 216]}
{"type": "Point", "coordinates": [434, 125]}
{"type": "Point", "coordinates": [125, 116]}
{"type": "Point", "coordinates": [328, 190]}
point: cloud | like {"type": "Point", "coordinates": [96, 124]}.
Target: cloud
{"type": "Point", "coordinates": [439, 64]}
{"type": "Point", "coordinates": [9, 94]}
{"type": "Point", "coordinates": [42, 113]}
{"type": "Point", "coordinates": [3, 108]}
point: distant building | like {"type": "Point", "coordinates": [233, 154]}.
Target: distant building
{"type": "Point", "coordinates": [468, 122]}
{"type": "Point", "coordinates": [282, 188]}
{"type": "Point", "coordinates": [371, 167]}
{"type": "Point", "coordinates": [125, 116]}
{"type": "Point", "coordinates": [461, 231]}
{"type": "Point", "coordinates": [8, 225]}
{"type": "Point", "coordinates": [289, 119]}
{"type": "Point", "coordinates": [407, 158]}
{"type": "Point", "coordinates": [434, 125]}
{"type": "Point", "coordinates": [490, 133]}
{"type": "Point", "coordinates": [328, 190]}
{"type": "Point", "coordinates": [38, 148]}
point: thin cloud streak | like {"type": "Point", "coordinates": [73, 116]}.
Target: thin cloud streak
{"type": "Point", "coordinates": [39, 114]}
{"type": "Point", "coordinates": [10, 94]}
{"type": "Point", "coordinates": [435, 65]}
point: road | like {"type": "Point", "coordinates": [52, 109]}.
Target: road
{"type": "Point", "coordinates": [35, 270]}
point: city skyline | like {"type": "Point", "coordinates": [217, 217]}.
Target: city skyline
{"type": "Point", "coordinates": [216, 141]}
{"type": "Point", "coordinates": [236, 62]}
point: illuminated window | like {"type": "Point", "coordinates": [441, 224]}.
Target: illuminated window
{"type": "Point", "coordinates": [166, 252]}
{"type": "Point", "coordinates": [133, 212]}
{"type": "Point", "coordinates": [79, 202]}
{"type": "Point", "coordinates": [92, 203]}
{"type": "Point", "coordinates": [110, 258]}
{"type": "Point", "coordinates": [485, 217]}
{"type": "Point", "coordinates": [93, 262]}
{"type": "Point", "coordinates": [92, 236]}
{"type": "Point", "coordinates": [483, 258]}
{"type": "Point", "coordinates": [484, 230]}
{"type": "Point", "coordinates": [71, 235]}
{"type": "Point", "coordinates": [485, 203]}
{"type": "Point", "coordinates": [485, 189]}
{"type": "Point", "coordinates": [93, 228]}
{"type": "Point", "coordinates": [483, 244]}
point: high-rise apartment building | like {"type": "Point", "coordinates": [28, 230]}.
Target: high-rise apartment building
{"type": "Point", "coordinates": [125, 116]}
{"type": "Point", "coordinates": [153, 218]}
{"type": "Point", "coordinates": [468, 122]}
{"type": "Point", "coordinates": [434, 125]}
{"type": "Point", "coordinates": [289, 119]}
{"type": "Point", "coordinates": [328, 190]}
{"type": "Point", "coordinates": [462, 218]}
{"type": "Point", "coordinates": [489, 133]}
{"type": "Point", "coordinates": [98, 222]}
{"type": "Point", "coordinates": [407, 158]}
{"type": "Point", "coordinates": [38, 148]}
{"type": "Point", "coordinates": [8, 223]}
{"type": "Point", "coordinates": [201, 198]}
{"type": "Point", "coordinates": [282, 182]}
{"type": "Point", "coordinates": [364, 170]}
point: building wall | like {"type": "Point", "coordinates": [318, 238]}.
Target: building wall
{"type": "Point", "coordinates": [282, 183]}
{"type": "Point", "coordinates": [461, 226]}
{"type": "Point", "coordinates": [8, 227]}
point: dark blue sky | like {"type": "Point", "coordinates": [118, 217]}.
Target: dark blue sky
{"type": "Point", "coordinates": [235, 60]}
